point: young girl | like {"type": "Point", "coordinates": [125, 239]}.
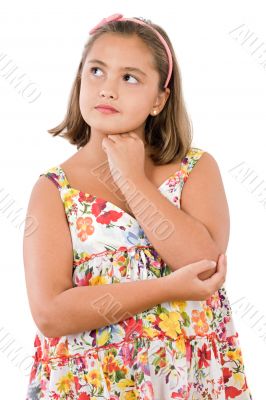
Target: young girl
{"type": "Point", "coordinates": [120, 283]}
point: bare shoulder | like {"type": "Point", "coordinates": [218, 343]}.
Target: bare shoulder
{"type": "Point", "coordinates": [46, 209]}
{"type": "Point", "coordinates": [205, 164]}
{"type": "Point", "coordinates": [45, 198]}
{"type": "Point", "coordinates": [204, 198]}
{"type": "Point", "coordinates": [205, 175]}
{"type": "Point", "coordinates": [47, 249]}
{"type": "Point", "coordinates": [42, 186]}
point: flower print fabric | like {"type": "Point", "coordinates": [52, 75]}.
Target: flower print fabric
{"type": "Point", "coordinates": [175, 350]}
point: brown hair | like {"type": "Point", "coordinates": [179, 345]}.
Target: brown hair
{"type": "Point", "coordinates": [169, 134]}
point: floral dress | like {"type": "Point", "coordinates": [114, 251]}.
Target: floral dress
{"type": "Point", "coordinates": [175, 350]}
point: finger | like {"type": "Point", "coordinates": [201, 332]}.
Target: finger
{"type": "Point", "coordinates": [127, 135]}
{"type": "Point", "coordinates": [124, 136]}
{"type": "Point", "coordinates": [107, 138]}
{"type": "Point", "coordinates": [203, 265]}
{"type": "Point", "coordinates": [133, 135]}
{"type": "Point", "coordinates": [116, 138]}
{"type": "Point", "coordinates": [111, 137]}
{"type": "Point", "coordinates": [218, 278]}
{"type": "Point", "coordinates": [106, 143]}
{"type": "Point", "coordinates": [222, 263]}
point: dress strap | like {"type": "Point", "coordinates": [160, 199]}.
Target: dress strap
{"type": "Point", "coordinates": [56, 175]}
{"type": "Point", "coordinates": [190, 160]}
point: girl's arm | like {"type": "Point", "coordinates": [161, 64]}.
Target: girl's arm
{"type": "Point", "coordinates": [57, 307]}
{"type": "Point", "coordinates": [198, 230]}
{"type": "Point", "coordinates": [89, 307]}
{"type": "Point", "coordinates": [60, 309]}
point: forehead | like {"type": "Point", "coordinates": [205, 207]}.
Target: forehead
{"type": "Point", "coordinates": [126, 50]}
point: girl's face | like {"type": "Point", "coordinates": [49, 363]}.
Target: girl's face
{"type": "Point", "coordinates": [134, 93]}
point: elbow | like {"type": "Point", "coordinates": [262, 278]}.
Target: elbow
{"type": "Point", "coordinates": [209, 252]}
{"type": "Point", "coordinates": [46, 325]}
{"type": "Point", "coordinates": [216, 249]}
{"type": "Point", "coordinates": [48, 330]}
{"type": "Point", "coordinates": [212, 247]}
{"type": "Point", "coordinates": [44, 328]}
{"type": "Point", "coordinates": [204, 247]}
{"type": "Point", "coordinates": [214, 252]}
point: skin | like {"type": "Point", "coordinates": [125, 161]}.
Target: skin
{"type": "Point", "coordinates": [135, 96]}
{"type": "Point", "coordinates": [119, 138]}
{"type": "Point", "coordinates": [57, 307]}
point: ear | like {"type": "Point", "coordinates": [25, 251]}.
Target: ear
{"type": "Point", "coordinates": [161, 99]}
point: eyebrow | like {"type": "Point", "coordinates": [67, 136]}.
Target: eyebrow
{"type": "Point", "coordinates": [124, 68]}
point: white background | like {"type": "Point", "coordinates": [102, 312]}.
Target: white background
{"type": "Point", "coordinates": [224, 87]}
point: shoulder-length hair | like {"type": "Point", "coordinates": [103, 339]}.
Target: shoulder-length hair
{"type": "Point", "coordinates": [168, 134]}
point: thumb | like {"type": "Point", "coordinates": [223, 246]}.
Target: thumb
{"type": "Point", "coordinates": [203, 265]}
{"type": "Point", "coordinates": [104, 144]}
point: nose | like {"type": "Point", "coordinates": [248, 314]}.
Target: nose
{"type": "Point", "coordinates": [104, 94]}
{"type": "Point", "coordinates": [109, 89]}
{"type": "Point", "coordinates": [107, 93]}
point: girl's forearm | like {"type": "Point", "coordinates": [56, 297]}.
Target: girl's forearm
{"type": "Point", "coordinates": [168, 228]}
{"type": "Point", "coordinates": [89, 307]}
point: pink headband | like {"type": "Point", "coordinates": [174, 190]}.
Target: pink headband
{"type": "Point", "coordinates": [119, 17]}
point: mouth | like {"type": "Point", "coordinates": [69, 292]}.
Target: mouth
{"type": "Point", "coordinates": [106, 110]}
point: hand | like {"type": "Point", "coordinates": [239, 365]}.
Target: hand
{"type": "Point", "coordinates": [126, 156]}
{"type": "Point", "coordinates": [184, 283]}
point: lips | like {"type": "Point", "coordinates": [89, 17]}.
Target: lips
{"type": "Point", "coordinates": [106, 107]}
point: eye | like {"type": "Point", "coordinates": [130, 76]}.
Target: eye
{"type": "Point", "coordinates": [131, 76]}
{"type": "Point", "coordinates": [95, 68]}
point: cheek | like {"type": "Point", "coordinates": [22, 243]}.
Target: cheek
{"type": "Point", "coordinates": [85, 100]}
{"type": "Point", "coordinates": [84, 92]}
{"type": "Point", "coordinates": [137, 102]}
{"type": "Point", "coordinates": [84, 106]}
{"type": "Point", "coordinates": [81, 102]}
{"type": "Point", "coordinates": [139, 110]}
